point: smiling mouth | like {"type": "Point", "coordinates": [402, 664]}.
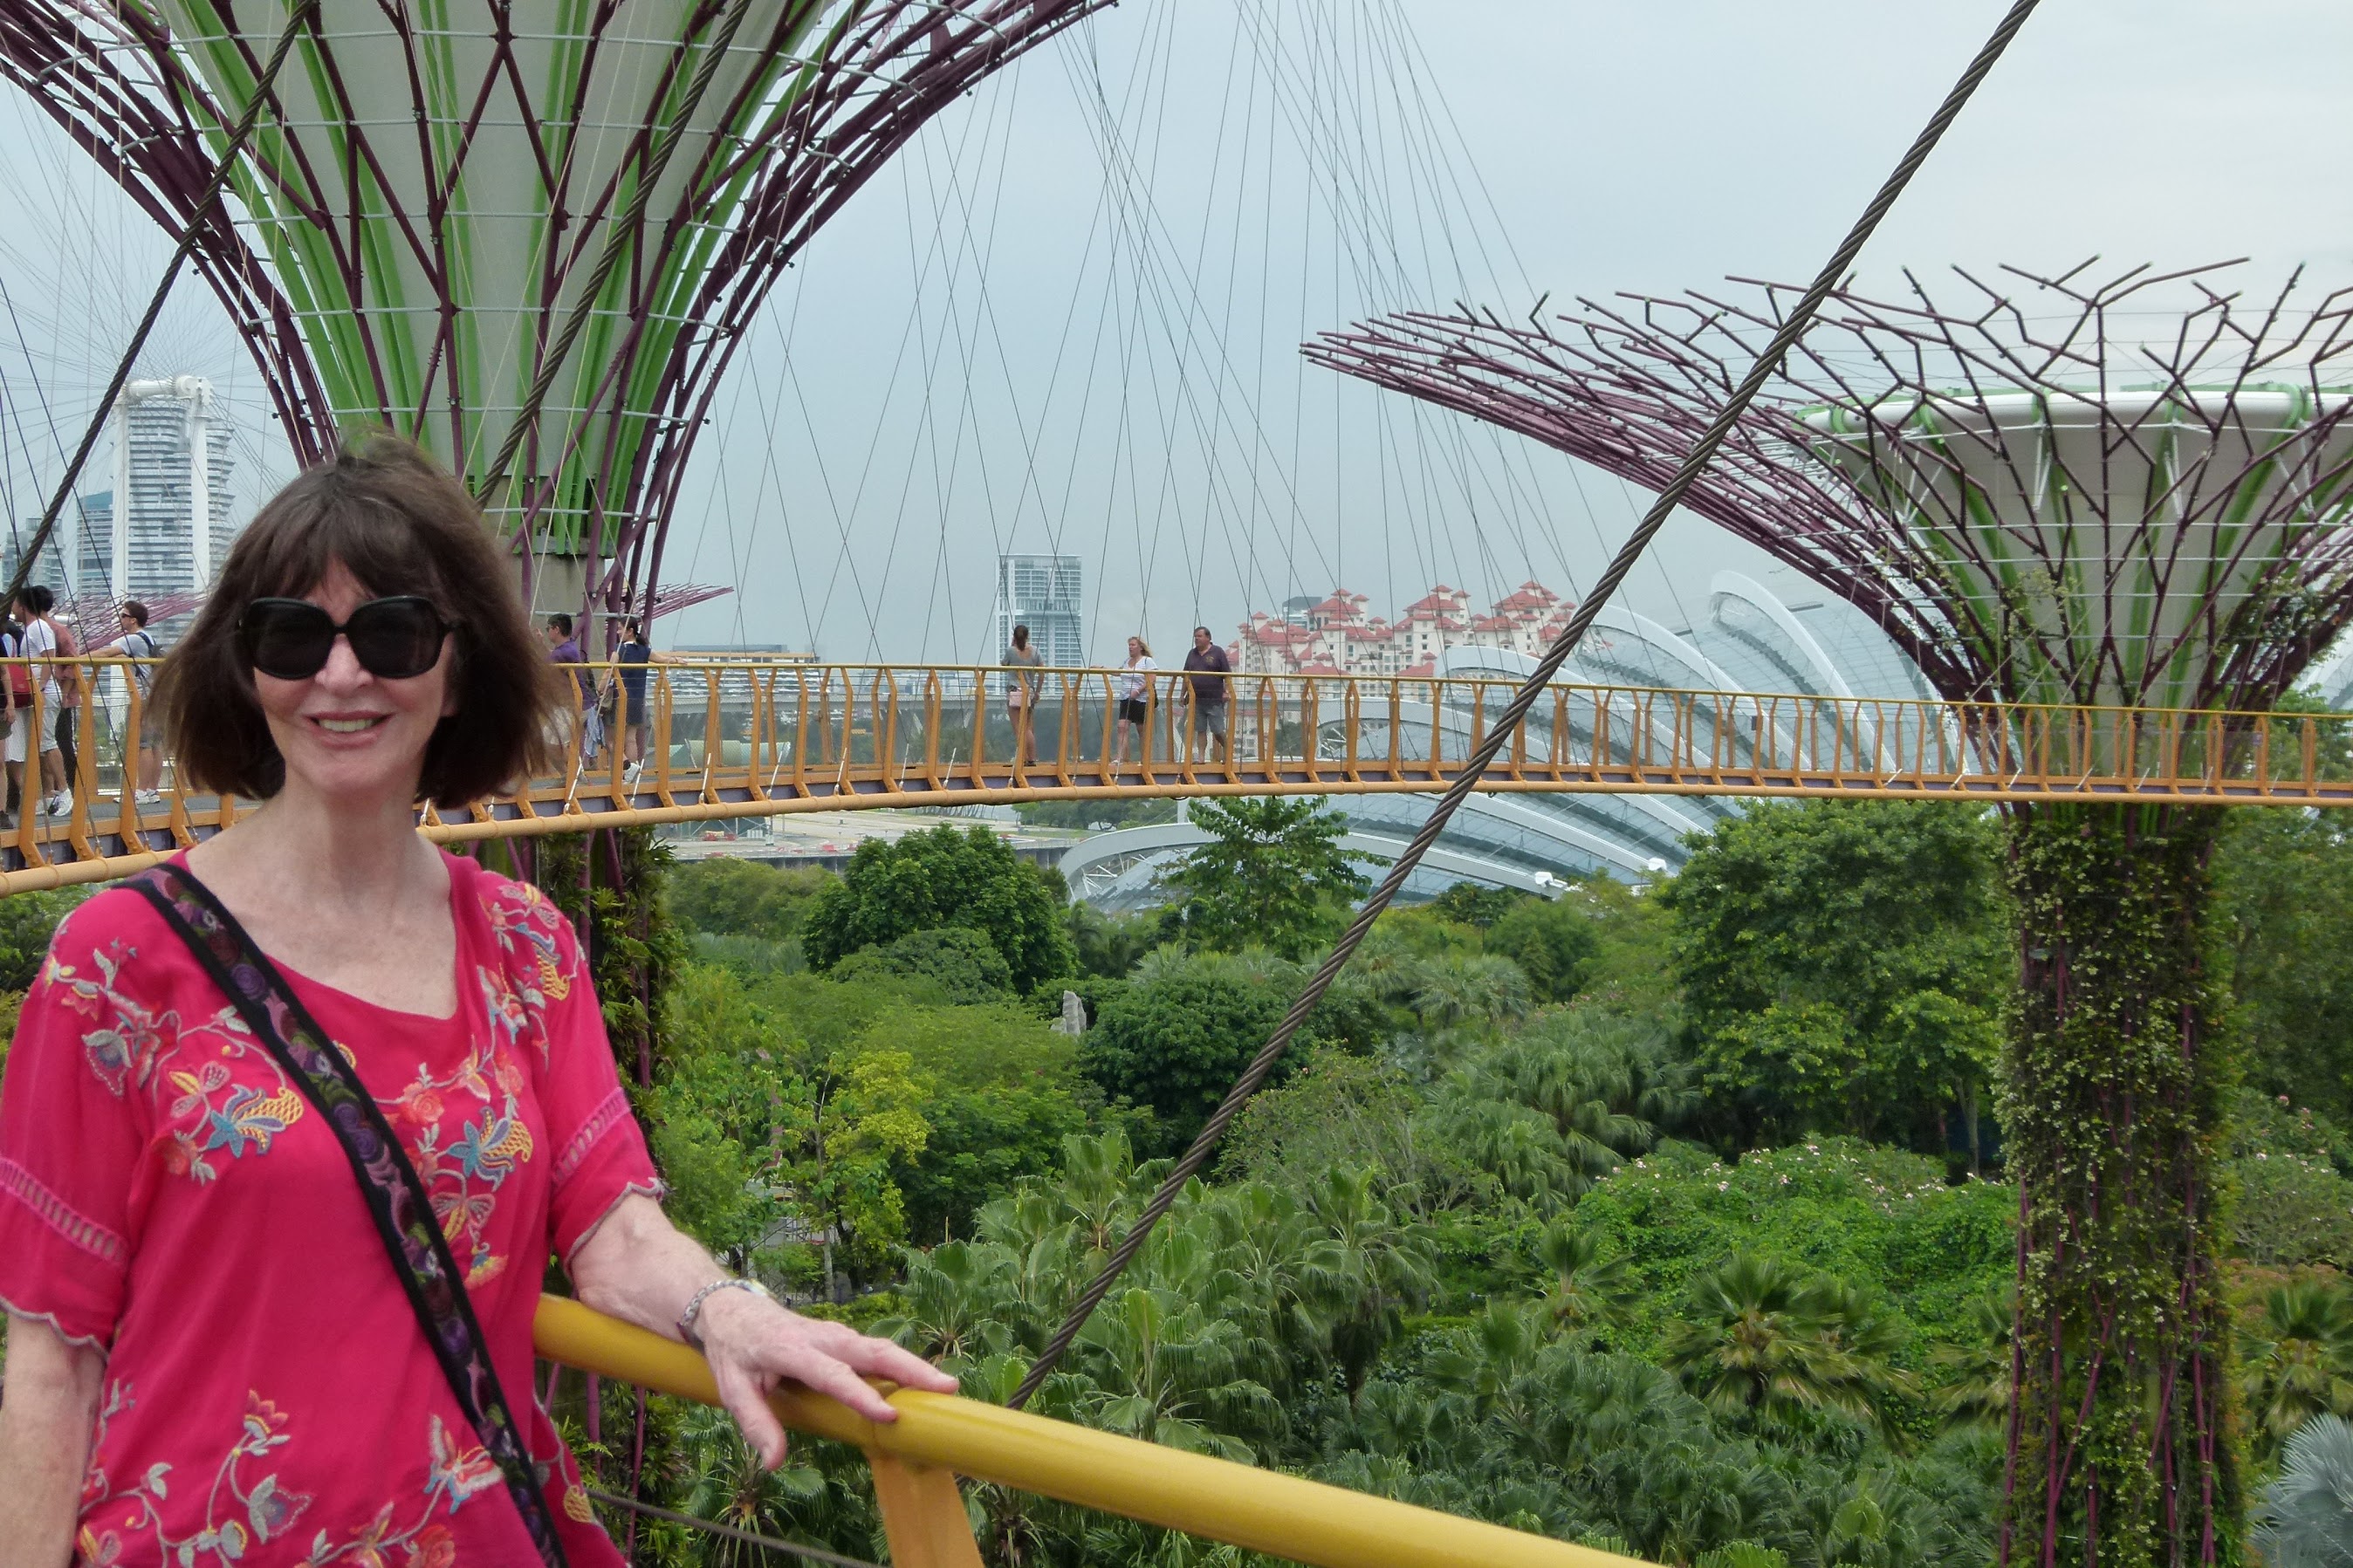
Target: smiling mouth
{"type": "Point", "coordinates": [348, 726]}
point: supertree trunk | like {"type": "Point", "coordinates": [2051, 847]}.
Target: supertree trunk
{"type": "Point", "coordinates": [2114, 1076]}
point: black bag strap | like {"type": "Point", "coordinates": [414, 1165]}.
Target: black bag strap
{"type": "Point", "coordinates": [396, 1199]}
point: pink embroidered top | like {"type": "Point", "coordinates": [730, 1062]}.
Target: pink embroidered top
{"type": "Point", "coordinates": [167, 1195]}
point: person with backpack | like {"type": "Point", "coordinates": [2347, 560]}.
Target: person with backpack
{"type": "Point", "coordinates": [136, 642]}
{"type": "Point", "coordinates": [45, 639]}
{"type": "Point", "coordinates": [20, 716]}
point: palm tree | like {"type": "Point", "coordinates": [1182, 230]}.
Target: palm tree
{"type": "Point", "coordinates": [1162, 1370]}
{"type": "Point", "coordinates": [726, 1484]}
{"type": "Point", "coordinates": [1457, 991]}
{"type": "Point", "coordinates": [2308, 1513]}
{"type": "Point", "coordinates": [1774, 1341]}
{"type": "Point", "coordinates": [1558, 1106]}
{"type": "Point", "coordinates": [1974, 1388]}
{"type": "Point", "coordinates": [1587, 1291]}
{"type": "Point", "coordinates": [1488, 1365]}
{"type": "Point", "coordinates": [2295, 1359]}
{"type": "Point", "coordinates": [957, 1300]}
{"type": "Point", "coordinates": [1362, 1267]}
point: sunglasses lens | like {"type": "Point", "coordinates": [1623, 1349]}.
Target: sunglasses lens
{"type": "Point", "coordinates": [396, 639]}
{"type": "Point", "coordinates": [286, 638]}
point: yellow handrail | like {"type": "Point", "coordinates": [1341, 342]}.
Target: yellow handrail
{"type": "Point", "coordinates": [739, 738]}
{"type": "Point", "coordinates": [937, 1434]}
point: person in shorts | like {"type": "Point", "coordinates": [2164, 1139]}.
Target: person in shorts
{"type": "Point", "coordinates": [1208, 670]}
{"type": "Point", "coordinates": [630, 660]}
{"type": "Point", "coordinates": [136, 642]}
{"type": "Point", "coordinates": [1021, 689]}
{"type": "Point", "coordinates": [564, 650]}
{"type": "Point", "coordinates": [1134, 691]}
{"type": "Point", "coordinates": [42, 639]}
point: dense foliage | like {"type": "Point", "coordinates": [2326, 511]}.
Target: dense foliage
{"type": "Point", "coordinates": [944, 878]}
{"type": "Point", "coordinates": [1644, 1218]}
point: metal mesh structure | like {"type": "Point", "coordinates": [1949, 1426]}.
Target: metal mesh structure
{"type": "Point", "coordinates": [2040, 496]}
{"type": "Point", "coordinates": [528, 233]}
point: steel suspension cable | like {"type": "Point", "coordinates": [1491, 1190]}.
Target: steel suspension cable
{"type": "Point", "coordinates": [1686, 474]}
{"type": "Point", "coordinates": [226, 164]}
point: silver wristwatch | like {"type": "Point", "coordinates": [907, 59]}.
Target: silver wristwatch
{"type": "Point", "coordinates": [687, 1319]}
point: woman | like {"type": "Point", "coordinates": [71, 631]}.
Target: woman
{"type": "Point", "coordinates": [1021, 695]}
{"type": "Point", "coordinates": [1134, 682]}
{"type": "Point", "coordinates": [212, 1354]}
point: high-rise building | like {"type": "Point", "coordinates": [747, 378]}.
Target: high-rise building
{"type": "Point", "coordinates": [171, 461]}
{"type": "Point", "coordinates": [1041, 592]}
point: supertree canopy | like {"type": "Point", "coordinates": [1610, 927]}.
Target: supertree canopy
{"type": "Point", "coordinates": [528, 233]}
{"type": "Point", "coordinates": [2038, 496]}
{"type": "Point", "coordinates": [2055, 491]}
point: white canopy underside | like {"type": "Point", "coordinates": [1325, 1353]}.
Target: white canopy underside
{"type": "Point", "coordinates": [2109, 542]}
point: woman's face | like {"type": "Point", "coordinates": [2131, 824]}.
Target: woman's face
{"type": "Point", "coordinates": [1136, 647]}
{"type": "Point", "coordinates": [345, 733]}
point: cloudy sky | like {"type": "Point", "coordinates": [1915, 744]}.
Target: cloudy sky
{"type": "Point", "coordinates": [1068, 318]}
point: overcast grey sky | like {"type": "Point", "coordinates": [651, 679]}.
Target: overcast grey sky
{"type": "Point", "coordinates": [1000, 346]}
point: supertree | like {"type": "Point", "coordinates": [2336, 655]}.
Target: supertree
{"type": "Point", "coordinates": [2056, 490]}
{"type": "Point", "coordinates": [528, 233]}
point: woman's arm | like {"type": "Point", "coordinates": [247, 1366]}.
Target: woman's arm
{"type": "Point", "coordinates": [47, 1407]}
{"type": "Point", "coordinates": [638, 1266]}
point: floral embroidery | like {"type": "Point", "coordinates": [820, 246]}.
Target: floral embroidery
{"type": "Point", "coordinates": [243, 1511]}
{"type": "Point", "coordinates": [130, 1045]}
{"type": "Point", "coordinates": [240, 1514]}
{"type": "Point", "coordinates": [251, 1117]}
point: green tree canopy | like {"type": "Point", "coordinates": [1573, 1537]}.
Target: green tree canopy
{"type": "Point", "coordinates": [743, 897]}
{"type": "Point", "coordinates": [1843, 965]}
{"type": "Point", "coordinates": [944, 877]}
{"type": "Point", "coordinates": [1177, 1037]}
{"type": "Point", "coordinates": [2287, 878]}
{"type": "Point", "coordinates": [1553, 942]}
{"type": "Point", "coordinates": [1273, 875]}
{"type": "Point", "coordinates": [965, 964]}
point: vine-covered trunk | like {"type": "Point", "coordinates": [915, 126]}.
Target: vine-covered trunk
{"type": "Point", "coordinates": [609, 885]}
{"type": "Point", "coordinates": [2121, 1451]}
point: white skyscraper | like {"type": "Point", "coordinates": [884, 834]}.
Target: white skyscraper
{"type": "Point", "coordinates": [1041, 592]}
{"type": "Point", "coordinates": [172, 459]}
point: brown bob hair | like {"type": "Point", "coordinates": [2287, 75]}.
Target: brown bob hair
{"type": "Point", "coordinates": [400, 524]}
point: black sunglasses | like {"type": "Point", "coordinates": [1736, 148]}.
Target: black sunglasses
{"type": "Point", "coordinates": [394, 638]}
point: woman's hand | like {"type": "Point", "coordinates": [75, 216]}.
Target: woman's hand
{"type": "Point", "coordinates": [639, 1267]}
{"type": "Point", "coordinates": [753, 1344]}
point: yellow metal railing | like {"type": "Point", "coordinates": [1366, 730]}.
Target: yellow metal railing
{"type": "Point", "coordinates": [736, 738]}
{"type": "Point", "coordinates": [938, 1437]}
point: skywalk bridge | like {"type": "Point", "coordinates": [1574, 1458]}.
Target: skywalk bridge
{"type": "Point", "coordinates": [742, 738]}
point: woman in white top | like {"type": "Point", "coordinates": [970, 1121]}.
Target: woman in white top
{"type": "Point", "coordinates": [1134, 682]}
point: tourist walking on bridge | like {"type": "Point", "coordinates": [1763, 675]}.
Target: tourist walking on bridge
{"type": "Point", "coordinates": [1208, 682]}
{"type": "Point", "coordinates": [294, 1123]}
{"type": "Point", "coordinates": [1135, 687]}
{"type": "Point", "coordinates": [143, 744]}
{"type": "Point", "coordinates": [629, 662]}
{"type": "Point", "coordinates": [45, 639]}
{"type": "Point", "coordinates": [1021, 689]}
{"type": "Point", "coordinates": [579, 713]}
